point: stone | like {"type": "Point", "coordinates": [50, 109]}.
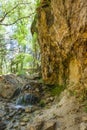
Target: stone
{"type": "Point", "coordinates": [37, 90]}
{"type": "Point", "coordinates": [12, 114]}
{"type": "Point", "coordinates": [35, 126]}
{"type": "Point", "coordinates": [22, 123]}
{"type": "Point", "coordinates": [22, 128]}
{"type": "Point", "coordinates": [1, 113]}
{"type": "Point", "coordinates": [25, 119]}
{"type": "Point", "coordinates": [2, 125]}
{"type": "Point", "coordinates": [84, 118]}
{"type": "Point", "coordinates": [32, 127]}
{"type": "Point", "coordinates": [8, 86]}
{"type": "Point", "coordinates": [83, 126]}
{"type": "Point", "coordinates": [16, 125]}
{"type": "Point", "coordinates": [10, 125]}
{"type": "Point", "coordinates": [49, 99]}
{"type": "Point", "coordinates": [34, 108]}
{"type": "Point", "coordinates": [28, 109]}
{"type": "Point", "coordinates": [49, 125]}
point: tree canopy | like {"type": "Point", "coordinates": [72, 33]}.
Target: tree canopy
{"type": "Point", "coordinates": [19, 50]}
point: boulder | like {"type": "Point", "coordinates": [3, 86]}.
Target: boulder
{"type": "Point", "coordinates": [35, 126]}
{"type": "Point", "coordinates": [41, 125]}
{"type": "Point", "coordinates": [49, 125]}
{"type": "Point", "coordinates": [9, 86]}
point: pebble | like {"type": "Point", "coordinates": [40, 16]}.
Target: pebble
{"type": "Point", "coordinates": [25, 119]}
{"type": "Point", "coordinates": [22, 123]}
{"type": "Point", "coordinates": [16, 125]}
{"type": "Point", "coordinates": [84, 118]}
{"type": "Point", "coordinates": [28, 109]}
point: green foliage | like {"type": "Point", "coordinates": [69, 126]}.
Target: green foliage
{"type": "Point", "coordinates": [34, 40]}
{"type": "Point", "coordinates": [15, 22]}
{"type": "Point", "coordinates": [36, 50]}
{"type": "Point", "coordinates": [21, 72]}
{"type": "Point", "coordinates": [85, 109]}
{"type": "Point", "coordinates": [22, 61]}
{"type": "Point", "coordinates": [57, 89]}
{"type": "Point", "coordinates": [85, 106]}
{"type": "Point", "coordinates": [42, 103]}
{"type": "Point", "coordinates": [40, 80]}
{"type": "Point", "coordinates": [38, 3]}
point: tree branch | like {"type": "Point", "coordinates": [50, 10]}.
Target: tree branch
{"type": "Point", "coordinates": [2, 19]}
{"type": "Point", "coordinates": [4, 24]}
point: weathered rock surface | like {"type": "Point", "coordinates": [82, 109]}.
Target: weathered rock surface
{"type": "Point", "coordinates": [2, 124]}
{"type": "Point", "coordinates": [10, 86]}
{"type": "Point", "coordinates": [50, 125]}
{"type": "Point", "coordinates": [62, 34]}
{"type": "Point", "coordinates": [83, 126]}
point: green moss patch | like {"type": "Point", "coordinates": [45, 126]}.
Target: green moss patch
{"type": "Point", "coordinates": [57, 89]}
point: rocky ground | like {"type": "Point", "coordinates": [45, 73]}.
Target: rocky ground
{"type": "Point", "coordinates": [66, 114]}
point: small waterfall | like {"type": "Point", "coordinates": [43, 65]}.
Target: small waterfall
{"type": "Point", "coordinates": [27, 99]}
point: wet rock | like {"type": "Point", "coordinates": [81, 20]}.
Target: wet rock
{"type": "Point", "coordinates": [16, 93]}
{"type": "Point", "coordinates": [27, 99]}
{"type": "Point", "coordinates": [27, 87]}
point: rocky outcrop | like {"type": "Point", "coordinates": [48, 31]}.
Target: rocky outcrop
{"type": "Point", "coordinates": [10, 86]}
{"type": "Point", "coordinates": [62, 34]}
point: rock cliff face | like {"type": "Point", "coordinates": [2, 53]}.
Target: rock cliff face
{"type": "Point", "coordinates": [62, 28]}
